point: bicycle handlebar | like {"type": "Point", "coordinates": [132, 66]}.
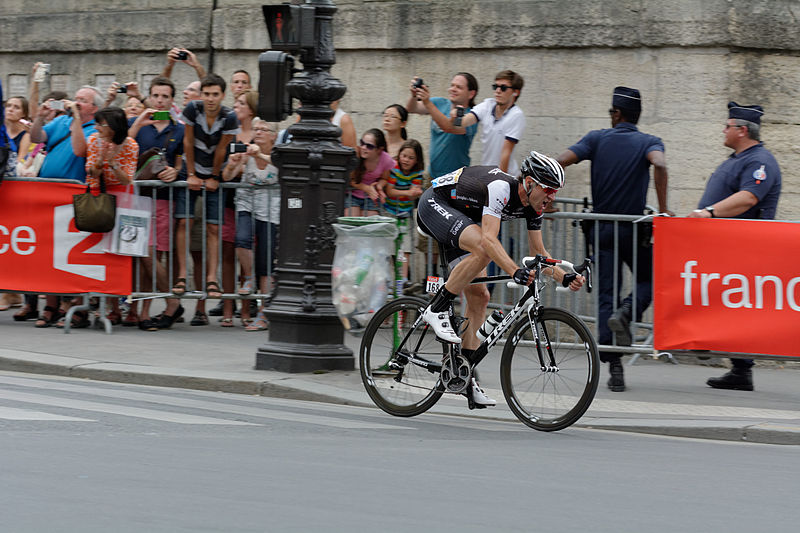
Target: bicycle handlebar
{"type": "Point", "coordinates": [533, 262]}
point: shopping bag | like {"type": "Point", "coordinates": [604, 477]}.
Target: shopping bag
{"type": "Point", "coordinates": [132, 228]}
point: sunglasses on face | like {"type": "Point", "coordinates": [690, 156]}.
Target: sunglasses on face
{"type": "Point", "coordinates": [549, 190]}
{"type": "Point", "coordinates": [368, 146]}
{"type": "Point", "coordinates": [503, 88]}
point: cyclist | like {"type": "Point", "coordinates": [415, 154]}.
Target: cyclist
{"type": "Point", "coordinates": [463, 210]}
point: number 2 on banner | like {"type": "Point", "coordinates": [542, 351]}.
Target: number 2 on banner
{"type": "Point", "coordinates": [434, 284]}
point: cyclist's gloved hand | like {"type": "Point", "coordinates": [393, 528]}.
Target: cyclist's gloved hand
{"type": "Point", "coordinates": [523, 276]}
{"type": "Point", "coordinates": [568, 278]}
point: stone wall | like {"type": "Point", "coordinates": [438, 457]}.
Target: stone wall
{"type": "Point", "coordinates": [688, 57]}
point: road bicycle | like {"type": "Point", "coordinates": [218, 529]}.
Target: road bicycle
{"type": "Point", "coordinates": [549, 370]}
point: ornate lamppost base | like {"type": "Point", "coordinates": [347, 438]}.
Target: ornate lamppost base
{"type": "Point", "coordinates": [323, 351]}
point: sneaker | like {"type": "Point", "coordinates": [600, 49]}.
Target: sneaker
{"type": "Point", "coordinates": [616, 383]}
{"type": "Point", "coordinates": [736, 379]}
{"type": "Point", "coordinates": [620, 324]}
{"type": "Point", "coordinates": [217, 309]}
{"type": "Point", "coordinates": [440, 322]}
{"type": "Point", "coordinates": [479, 397]}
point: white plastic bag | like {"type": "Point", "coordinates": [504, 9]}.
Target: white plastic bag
{"type": "Point", "coordinates": [362, 269]}
{"type": "Point", "coordinates": [131, 232]}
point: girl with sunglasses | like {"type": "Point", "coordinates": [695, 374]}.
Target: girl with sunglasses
{"type": "Point", "coordinates": [368, 178]}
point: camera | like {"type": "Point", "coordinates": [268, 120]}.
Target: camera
{"type": "Point", "coordinates": [183, 55]}
{"type": "Point", "coordinates": [459, 116]}
{"type": "Point", "coordinates": [237, 148]}
{"type": "Point", "coordinates": [160, 115]}
{"type": "Point", "coordinates": [122, 89]}
{"type": "Point", "coordinates": [418, 83]}
{"type": "Point", "coordinates": [57, 105]}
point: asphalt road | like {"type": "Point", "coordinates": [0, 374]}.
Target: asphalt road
{"type": "Point", "coordinates": [90, 456]}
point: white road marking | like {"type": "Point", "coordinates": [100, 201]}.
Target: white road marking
{"type": "Point", "coordinates": [12, 413]}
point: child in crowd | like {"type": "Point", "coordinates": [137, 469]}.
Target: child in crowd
{"type": "Point", "coordinates": [402, 188]}
{"type": "Point", "coordinates": [367, 180]}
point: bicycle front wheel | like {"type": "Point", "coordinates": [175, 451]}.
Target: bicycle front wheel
{"type": "Point", "coordinates": [550, 399]}
{"type": "Point", "coordinates": [400, 387]}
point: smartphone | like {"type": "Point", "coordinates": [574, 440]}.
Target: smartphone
{"type": "Point", "coordinates": [237, 148]}
{"type": "Point", "coordinates": [418, 83]}
{"type": "Point", "coordinates": [58, 105]}
{"type": "Point", "coordinates": [459, 116]}
{"type": "Point", "coordinates": [41, 72]}
{"type": "Point", "coordinates": [160, 115]}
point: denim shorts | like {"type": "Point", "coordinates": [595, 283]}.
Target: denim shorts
{"type": "Point", "coordinates": [365, 204]}
{"type": "Point", "coordinates": [212, 204]}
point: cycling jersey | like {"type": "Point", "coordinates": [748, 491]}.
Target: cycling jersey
{"type": "Point", "coordinates": [485, 190]}
{"type": "Point", "coordinates": [461, 198]}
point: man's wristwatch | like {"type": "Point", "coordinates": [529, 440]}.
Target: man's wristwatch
{"type": "Point", "coordinates": [710, 209]}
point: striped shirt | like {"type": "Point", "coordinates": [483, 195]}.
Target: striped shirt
{"type": "Point", "coordinates": [402, 205]}
{"type": "Point", "coordinates": [206, 139]}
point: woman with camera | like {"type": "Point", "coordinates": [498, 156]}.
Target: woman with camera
{"type": "Point", "coordinates": [257, 212]}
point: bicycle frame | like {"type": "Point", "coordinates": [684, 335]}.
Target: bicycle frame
{"type": "Point", "coordinates": [529, 302]}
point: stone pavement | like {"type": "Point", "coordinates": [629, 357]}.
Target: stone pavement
{"type": "Point", "coordinates": [662, 398]}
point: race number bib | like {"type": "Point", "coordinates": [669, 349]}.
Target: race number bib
{"type": "Point", "coordinates": [433, 284]}
{"type": "Point", "coordinates": [447, 179]}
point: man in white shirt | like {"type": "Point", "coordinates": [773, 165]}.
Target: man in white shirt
{"type": "Point", "coordinates": [502, 122]}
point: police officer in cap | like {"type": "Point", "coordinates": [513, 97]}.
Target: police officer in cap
{"type": "Point", "coordinates": [621, 158]}
{"type": "Point", "coordinates": [746, 185]}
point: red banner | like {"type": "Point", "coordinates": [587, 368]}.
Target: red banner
{"type": "Point", "coordinates": [726, 284]}
{"type": "Point", "coordinates": [41, 251]}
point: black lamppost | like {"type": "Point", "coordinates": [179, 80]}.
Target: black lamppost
{"type": "Point", "coordinates": [305, 333]}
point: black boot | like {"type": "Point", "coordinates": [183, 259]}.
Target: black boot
{"type": "Point", "coordinates": [616, 383]}
{"type": "Point", "coordinates": [620, 324]}
{"type": "Point", "coordinates": [736, 379]}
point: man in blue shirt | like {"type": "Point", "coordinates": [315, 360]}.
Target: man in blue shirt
{"type": "Point", "coordinates": [621, 157]}
{"type": "Point", "coordinates": [448, 151]}
{"type": "Point", "coordinates": [66, 135]}
{"type": "Point", "coordinates": [167, 136]}
{"type": "Point", "coordinates": [746, 185]}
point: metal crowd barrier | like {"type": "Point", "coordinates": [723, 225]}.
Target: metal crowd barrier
{"type": "Point", "coordinates": [564, 238]}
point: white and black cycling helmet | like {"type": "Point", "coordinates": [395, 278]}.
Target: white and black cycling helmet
{"type": "Point", "coordinates": [544, 170]}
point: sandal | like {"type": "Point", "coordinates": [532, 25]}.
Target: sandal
{"type": "Point", "coordinates": [180, 287]}
{"type": "Point", "coordinates": [25, 314]}
{"type": "Point", "coordinates": [199, 319]}
{"type": "Point", "coordinates": [80, 320]}
{"type": "Point", "coordinates": [247, 288]}
{"type": "Point", "coordinates": [226, 322]}
{"type": "Point", "coordinates": [212, 290]}
{"type": "Point", "coordinates": [165, 321]}
{"type": "Point", "coordinates": [46, 322]}
{"type": "Point", "coordinates": [259, 324]}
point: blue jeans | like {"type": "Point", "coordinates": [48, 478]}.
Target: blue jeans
{"type": "Point", "coordinates": [213, 202]}
{"type": "Point", "coordinates": [266, 236]}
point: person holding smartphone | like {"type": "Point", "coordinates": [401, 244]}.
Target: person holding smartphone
{"type": "Point", "coordinates": [155, 128]}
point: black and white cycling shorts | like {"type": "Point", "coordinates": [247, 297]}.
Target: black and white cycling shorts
{"type": "Point", "coordinates": [440, 220]}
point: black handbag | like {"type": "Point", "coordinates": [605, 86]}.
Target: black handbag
{"type": "Point", "coordinates": [95, 214]}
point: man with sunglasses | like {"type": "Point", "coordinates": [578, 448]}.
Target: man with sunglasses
{"type": "Point", "coordinates": [746, 185]}
{"type": "Point", "coordinates": [463, 211]}
{"type": "Point", "coordinates": [502, 122]}
{"type": "Point", "coordinates": [621, 158]}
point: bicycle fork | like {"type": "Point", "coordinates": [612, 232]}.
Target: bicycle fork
{"type": "Point", "coordinates": [550, 365]}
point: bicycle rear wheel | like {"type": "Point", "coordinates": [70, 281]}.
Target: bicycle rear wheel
{"type": "Point", "coordinates": [550, 400]}
{"type": "Point", "coordinates": [412, 389]}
